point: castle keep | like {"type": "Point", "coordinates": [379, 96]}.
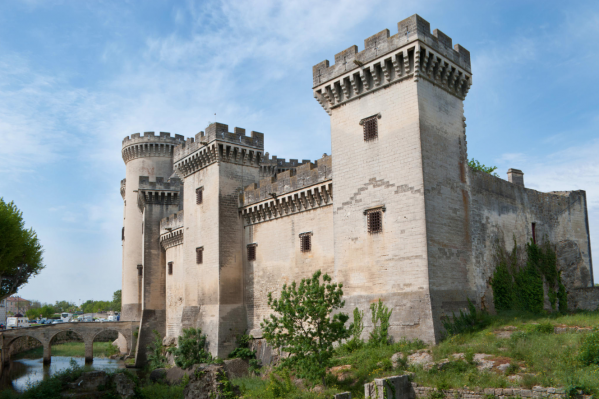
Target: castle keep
{"type": "Point", "coordinates": [212, 224]}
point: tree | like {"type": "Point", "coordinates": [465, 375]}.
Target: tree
{"type": "Point", "coordinates": [116, 300]}
{"type": "Point", "coordinates": [64, 306]}
{"type": "Point", "coordinates": [303, 325]}
{"type": "Point", "coordinates": [474, 164]}
{"type": "Point", "coordinates": [20, 250]}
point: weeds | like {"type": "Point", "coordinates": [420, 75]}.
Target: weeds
{"type": "Point", "coordinates": [380, 321]}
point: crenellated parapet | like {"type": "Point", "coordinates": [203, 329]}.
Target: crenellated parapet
{"type": "Point", "coordinates": [149, 145]}
{"type": "Point", "coordinates": [123, 187]}
{"type": "Point", "coordinates": [412, 53]}
{"type": "Point", "coordinates": [304, 175]}
{"type": "Point", "coordinates": [218, 145]}
{"type": "Point", "coordinates": [171, 230]}
{"type": "Point", "coordinates": [272, 166]}
{"type": "Point", "coordinates": [158, 192]}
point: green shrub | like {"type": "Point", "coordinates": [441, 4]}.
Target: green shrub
{"type": "Point", "coordinates": [517, 287]}
{"type": "Point", "coordinates": [589, 350]}
{"type": "Point", "coordinates": [156, 357]}
{"type": "Point", "coordinates": [303, 324]}
{"type": "Point", "coordinates": [243, 350]}
{"type": "Point", "coordinates": [280, 384]}
{"type": "Point", "coordinates": [191, 349]}
{"type": "Point", "coordinates": [380, 321]}
{"type": "Point", "coordinates": [542, 328]}
{"type": "Point", "coordinates": [473, 320]}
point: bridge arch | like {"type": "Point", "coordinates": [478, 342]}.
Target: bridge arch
{"type": "Point", "coordinates": [87, 331]}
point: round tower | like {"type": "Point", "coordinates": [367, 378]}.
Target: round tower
{"type": "Point", "coordinates": [147, 155]}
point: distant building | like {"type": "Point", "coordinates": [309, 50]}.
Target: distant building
{"type": "Point", "coordinates": [15, 304]}
{"type": "Point", "coordinates": [3, 311]}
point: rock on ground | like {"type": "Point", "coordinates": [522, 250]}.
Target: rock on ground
{"type": "Point", "coordinates": [89, 381]}
{"type": "Point", "coordinates": [422, 358]}
{"type": "Point", "coordinates": [237, 368]}
{"type": "Point", "coordinates": [125, 388]}
{"type": "Point", "coordinates": [208, 382]}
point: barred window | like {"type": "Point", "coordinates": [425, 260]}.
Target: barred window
{"type": "Point", "coordinates": [534, 233]}
{"type": "Point", "coordinates": [199, 192]}
{"type": "Point", "coordinates": [170, 268]}
{"type": "Point", "coordinates": [251, 252]}
{"type": "Point", "coordinates": [306, 242]}
{"type": "Point", "coordinates": [370, 127]}
{"type": "Point", "coordinates": [199, 255]}
{"type": "Point", "coordinates": [123, 234]}
{"type": "Point", "coordinates": [374, 219]}
{"type": "Point", "coordinates": [140, 270]}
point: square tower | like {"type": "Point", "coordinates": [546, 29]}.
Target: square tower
{"type": "Point", "coordinates": [216, 166]}
{"type": "Point", "coordinates": [401, 194]}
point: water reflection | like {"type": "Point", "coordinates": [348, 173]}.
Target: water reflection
{"type": "Point", "coordinates": [23, 373]}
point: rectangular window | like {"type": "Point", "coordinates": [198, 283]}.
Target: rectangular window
{"type": "Point", "coordinates": [534, 233]}
{"type": "Point", "coordinates": [199, 192]}
{"type": "Point", "coordinates": [306, 242]}
{"type": "Point", "coordinates": [123, 234]}
{"type": "Point", "coordinates": [140, 270]}
{"type": "Point", "coordinates": [199, 255]}
{"type": "Point", "coordinates": [170, 268]}
{"type": "Point", "coordinates": [370, 127]}
{"type": "Point", "coordinates": [252, 252]}
{"type": "Point", "coordinates": [375, 220]}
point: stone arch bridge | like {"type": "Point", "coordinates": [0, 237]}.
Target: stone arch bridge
{"type": "Point", "coordinates": [87, 331]}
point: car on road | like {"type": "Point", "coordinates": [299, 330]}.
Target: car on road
{"type": "Point", "coordinates": [57, 322]}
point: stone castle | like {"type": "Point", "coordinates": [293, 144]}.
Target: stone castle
{"type": "Point", "coordinates": [213, 223]}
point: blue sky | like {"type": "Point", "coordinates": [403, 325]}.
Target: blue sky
{"type": "Point", "coordinates": [78, 76]}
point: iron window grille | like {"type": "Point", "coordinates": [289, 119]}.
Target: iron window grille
{"type": "Point", "coordinates": [199, 196]}
{"type": "Point", "coordinates": [370, 127]}
{"type": "Point", "coordinates": [170, 268]}
{"type": "Point", "coordinates": [374, 220]}
{"type": "Point", "coordinates": [199, 255]}
{"type": "Point", "coordinates": [306, 242]}
{"type": "Point", "coordinates": [251, 248]}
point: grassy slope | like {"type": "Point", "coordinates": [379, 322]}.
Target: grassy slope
{"type": "Point", "coordinates": [548, 359]}
{"type": "Point", "coordinates": [72, 349]}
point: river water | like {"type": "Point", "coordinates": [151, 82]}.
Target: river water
{"type": "Point", "coordinates": [23, 373]}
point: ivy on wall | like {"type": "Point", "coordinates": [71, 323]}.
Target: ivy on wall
{"type": "Point", "coordinates": [518, 284]}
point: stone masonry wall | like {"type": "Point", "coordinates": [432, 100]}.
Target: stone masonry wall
{"type": "Point", "coordinates": [447, 199]}
{"type": "Point", "coordinates": [502, 212]}
{"type": "Point", "coordinates": [279, 259]}
{"type": "Point", "coordinates": [387, 171]}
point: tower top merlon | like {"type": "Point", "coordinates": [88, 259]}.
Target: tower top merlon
{"type": "Point", "coordinates": [410, 30]}
{"type": "Point", "coordinates": [150, 145]}
{"type": "Point", "coordinates": [218, 132]}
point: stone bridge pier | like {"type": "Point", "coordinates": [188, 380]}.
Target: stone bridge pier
{"type": "Point", "coordinates": [87, 331]}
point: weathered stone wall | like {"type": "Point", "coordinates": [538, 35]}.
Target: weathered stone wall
{"type": "Point", "coordinates": [385, 172]}
{"type": "Point", "coordinates": [502, 213]}
{"type": "Point", "coordinates": [175, 290]}
{"type": "Point", "coordinates": [444, 164]}
{"type": "Point", "coordinates": [279, 259]}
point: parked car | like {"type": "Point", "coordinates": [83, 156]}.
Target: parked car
{"type": "Point", "coordinates": [57, 322]}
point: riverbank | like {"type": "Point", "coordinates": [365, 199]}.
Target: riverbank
{"type": "Point", "coordinates": [70, 349]}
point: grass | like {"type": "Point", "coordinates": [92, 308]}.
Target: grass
{"type": "Point", "coordinates": [70, 349]}
{"type": "Point", "coordinates": [535, 352]}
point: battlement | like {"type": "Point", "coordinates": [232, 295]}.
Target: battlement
{"type": "Point", "coordinates": [304, 175]}
{"type": "Point", "coordinates": [410, 30]}
{"type": "Point", "coordinates": [172, 184]}
{"type": "Point", "coordinates": [220, 132]}
{"type": "Point", "coordinates": [151, 137]}
{"type": "Point", "coordinates": [171, 223]}
{"type": "Point", "coordinates": [149, 145]}
{"type": "Point", "coordinates": [272, 166]}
